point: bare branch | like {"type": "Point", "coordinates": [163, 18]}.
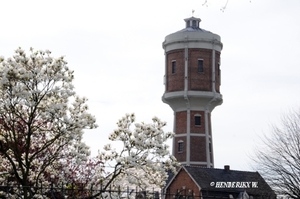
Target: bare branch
{"type": "Point", "coordinates": [278, 160]}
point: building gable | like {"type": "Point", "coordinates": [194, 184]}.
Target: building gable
{"type": "Point", "coordinates": [182, 184]}
{"type": "Point", "coordinates": [209, 182]}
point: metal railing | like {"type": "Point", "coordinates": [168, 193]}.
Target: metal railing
{"type": "Point", "coordinates": [70, 191]}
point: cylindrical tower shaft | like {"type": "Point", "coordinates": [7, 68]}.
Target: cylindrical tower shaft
{"type": "Point", "coordinates": [192, 89]}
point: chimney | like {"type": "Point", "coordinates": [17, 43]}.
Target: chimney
{"type": "Point", "coordinates": [226, 167]}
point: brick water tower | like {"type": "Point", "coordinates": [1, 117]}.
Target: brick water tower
{"type": "Point", "coordinates": [192, 89]}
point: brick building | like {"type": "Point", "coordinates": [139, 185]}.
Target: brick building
{"type": "Point", "coordinates": [205, 183]}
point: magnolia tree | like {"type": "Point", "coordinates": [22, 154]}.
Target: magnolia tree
{"type": "Point", "coordinates": [41, 127]}
{"type": "Point", "coordinates": [41, 120]}
{"type": "Point", "coordinates": [141, 160]}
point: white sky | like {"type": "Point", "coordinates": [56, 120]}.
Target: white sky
{"type": "Point", "coordinates": [115, 48]}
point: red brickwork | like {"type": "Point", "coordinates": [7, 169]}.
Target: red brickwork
{"type": "Point", "coordinates": [182, 185]}
{"type": "Point", "coordinates": [200, 81]}
{"type": "Point", "coordinates": [203, 80]}
{"type": "Point", "coordinates": [180, 156]}
{"type": "Point", "coordinates": [197, 129]}
{"type": "Point", "coordinates": [197, 143]}
{"type": "Point", "coordinates": [198, 148]}
{"type": "Point", "coordinates": [175, 81]}
{"type": "Point", "coordinates": [180, 122]}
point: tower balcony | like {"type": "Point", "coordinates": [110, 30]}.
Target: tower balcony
{"type": "Point", "coordinates": [193, 100]}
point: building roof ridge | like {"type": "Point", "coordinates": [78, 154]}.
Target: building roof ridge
{"type": "Point", "coordinates": [220, 169]}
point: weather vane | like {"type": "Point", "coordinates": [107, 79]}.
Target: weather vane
{"type": "Point", "coordinates": [193, 12]}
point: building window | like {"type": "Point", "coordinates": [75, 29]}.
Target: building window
{"type": "Point", "coordinates": [194, 24]}
{"type": "Point", "coordinates": [218, 69]}
{"type": "Point", "coordinates": [198, 120]}
{"type": "Point", "coordinates": [180, 146]}
{"type": "Point", "coordinates": [173, 67]}
{"type": "Point", "coordinates": [188, 24]}
{"type": "Point", "coordinates": [200, 66]}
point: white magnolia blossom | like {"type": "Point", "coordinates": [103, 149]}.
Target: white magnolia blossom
{"type": "Point", "coordinates": [143, 160]}
{"type": "Point", "coordinates": [41, 127]}
{"type": "Point", "coordinates": [41, 119]}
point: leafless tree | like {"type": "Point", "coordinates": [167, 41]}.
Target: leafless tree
{"type": "Point", "coordinates": [278, 159]}
{"type": "Point", "coordinates": [222, 8]}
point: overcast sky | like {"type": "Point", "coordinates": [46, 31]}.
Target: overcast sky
{"type": "Point", "coordinates": [115, 49]}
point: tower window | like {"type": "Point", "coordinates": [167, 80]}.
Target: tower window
{"type": "Point", "coordinates": [200, 65]}
{"type": "Point", "coordinates": [198, 120]}
{"type": "Point", "coordinates": [187, 24]}
{"type": "Point", "coordinates": [180, 146]}
{"type": "Point", "coordinates": [173, 67]}
{"type": "Point", "coordinates": [194, 24]}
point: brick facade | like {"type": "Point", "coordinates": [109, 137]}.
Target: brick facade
{"type": "Point", "coordinates": [198, 148]}
{"type": "Point", "coordinates": [180, 123]}
{"type": "Point", "coordinates": [180, 156]}
{"type": "Point", "coordinates": [198, 140]}
{"type": "Point", "coordinates": [175, 81]}
{"type": "Point", "coordinates": [198, 81]}
{"type": "Point", "coordinates": [183, 185]}
{"type": "Point", "coordinates": [194, 128]}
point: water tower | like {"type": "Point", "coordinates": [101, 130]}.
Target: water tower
{"type": "Point", "coordinates": [192, 89]}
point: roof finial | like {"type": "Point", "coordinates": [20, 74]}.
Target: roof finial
{"type": "Point", "coordinates": [193, 12]}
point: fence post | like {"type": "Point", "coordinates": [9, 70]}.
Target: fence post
{"type": "Point", "coordinates": [127, 192]}
{"type": "Point", "coordinates": [153, 193]}
{"type": "Point", "coordinates": [7, 188]}
{"type": "Point", "coordinates": [91, 190]}
{"type": "Point", "coordinates": [41, 187]}
{"type": "Point", "coordinates": [72, 189]}
{"type": "Point", "coordinates": [51, 189]}
{"type": "Point", "coordinates": [62, 189]}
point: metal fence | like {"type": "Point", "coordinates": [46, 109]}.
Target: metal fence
{"type": "Point", "coordinates": [74, 192]}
